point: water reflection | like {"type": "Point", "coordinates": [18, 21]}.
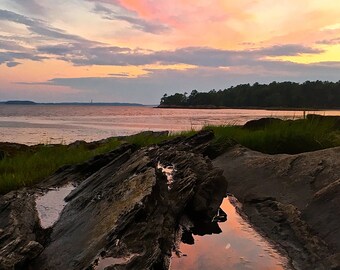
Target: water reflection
{"type": "Point", "coordinates": [51, 204]}
{"type": "Point", "coordinates": [232, 244]}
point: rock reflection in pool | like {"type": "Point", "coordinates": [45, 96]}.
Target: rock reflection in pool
{"type": "Point", "coordinates": [238, 246]}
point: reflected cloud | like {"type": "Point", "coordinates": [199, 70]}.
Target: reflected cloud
{"type": "Point", "coordinates": [237, 247]}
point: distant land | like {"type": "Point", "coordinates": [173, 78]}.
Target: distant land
{"type": "Point", "coordinates": [276, 95]}
{"type": "Point", "coordinates": [28, 102]}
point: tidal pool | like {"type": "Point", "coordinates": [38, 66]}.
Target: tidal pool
{"type": "Point", "coordinates": [51, 204]}
{"type": "Point", "coordinates": [237, 247]}
{"type": "Point", "coordinates": [103, 263]}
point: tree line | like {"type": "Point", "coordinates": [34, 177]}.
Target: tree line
{"type": "Point", "coordinates": [310, 94]}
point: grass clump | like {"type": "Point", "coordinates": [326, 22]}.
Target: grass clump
{"type": "Point", "coordinates": [149, 138]}
{"type": "Point", "coordinates": [30, 167]}
{"type": "Point", "coordinates": [146, 138]}
{"type": "Point", "coordinates": [290, 137]}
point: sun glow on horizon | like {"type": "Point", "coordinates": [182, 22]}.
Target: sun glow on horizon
{"type": "Point", "coordinates": [331, 53]}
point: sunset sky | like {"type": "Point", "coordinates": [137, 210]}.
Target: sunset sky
{"type": "Point", "coordinates": [137, 50]}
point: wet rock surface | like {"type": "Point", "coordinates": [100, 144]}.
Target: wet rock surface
{"type": "Point", "coordinates": [292, 199]}
{"type": "Point", "coordinates": [121, 214]}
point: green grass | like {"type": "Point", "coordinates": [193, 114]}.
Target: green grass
{"type": "Point", "coordinates": [290, 137]}
{"type": "Point", "coordinates": [28, 168]}
{"type": "Point", "coordinates": [145, 139]}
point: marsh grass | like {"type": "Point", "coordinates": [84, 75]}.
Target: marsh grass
{"type": "Point", "coordinates": [290, 137]}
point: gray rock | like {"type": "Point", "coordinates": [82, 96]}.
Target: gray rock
{"type": "Point", "coordinates": [18, 230]}
{"type": "Point", "coordinates": [293, 199]}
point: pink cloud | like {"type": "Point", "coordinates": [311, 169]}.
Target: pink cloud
{"type": "Point", "coordinates": [182, 13]}
{"type": "Point", "coordinates": [220, 23]}
{"type": "Point", "coordinates": [206, 23]}
{"type": "Point", "coordinates": [178, 13]}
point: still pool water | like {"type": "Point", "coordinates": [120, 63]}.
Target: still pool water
{"type": "Point", "coordinates": [237, 247]}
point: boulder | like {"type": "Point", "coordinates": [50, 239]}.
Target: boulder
{"type": "Point", "coordinates": [261, 123]}
{"type": "Point", "coordinates": [292, 199]}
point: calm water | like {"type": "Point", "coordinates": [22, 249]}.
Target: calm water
{"type": "Point", "coordinates": [237, 247]}
{"type": "Point", "coordinates": [56, 124]}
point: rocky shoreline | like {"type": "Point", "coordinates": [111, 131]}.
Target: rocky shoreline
{"type": "Point", "coordinates": [292, 199]}
{"type": "Point", "coordinates": [125, 213]}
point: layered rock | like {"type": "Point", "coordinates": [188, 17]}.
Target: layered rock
{"type": "Point", "coordinates": [123, 213]}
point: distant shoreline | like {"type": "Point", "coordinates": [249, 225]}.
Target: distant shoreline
{"type": "Point", "coordinates": [32, 103]}
{"type": "Point", "coordinates": [247, 108]}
